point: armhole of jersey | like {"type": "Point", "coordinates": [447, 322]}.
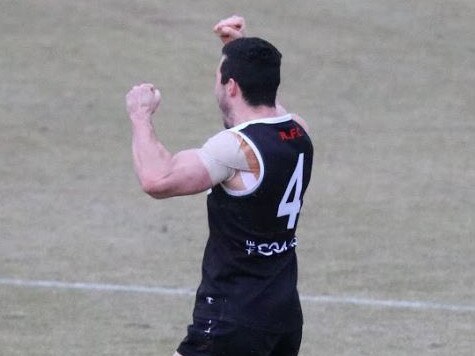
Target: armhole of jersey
{"type": "Point", "coordinates": [240, 193]}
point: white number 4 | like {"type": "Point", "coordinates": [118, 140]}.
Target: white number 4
{"type": "Point", "coordinates": [292, 208]}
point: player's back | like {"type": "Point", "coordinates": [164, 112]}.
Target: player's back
{"type": "Point", "coordinates": [250, 265]}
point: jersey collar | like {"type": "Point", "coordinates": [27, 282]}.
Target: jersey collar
{"type": "Point", "coordinates": [269, 120]}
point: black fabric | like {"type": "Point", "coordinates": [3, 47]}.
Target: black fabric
{"type": "Point", "coordinates": [221, 338]}
{"type": "Point", "coordinates": [249, 271]}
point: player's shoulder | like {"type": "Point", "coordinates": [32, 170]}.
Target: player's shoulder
{"type": "Point", "coordinates": [223, 138]}
{"type": "Point", "coordinates": [298, 119]}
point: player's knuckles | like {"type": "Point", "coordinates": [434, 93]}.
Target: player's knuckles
{"type": "Point", "coordinates": [234, 20]}
{"type": "Point", "coordinates": [146, 86]}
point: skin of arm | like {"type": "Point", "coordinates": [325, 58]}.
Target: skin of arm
{"type": "Point", "coordinates": [160, 173]}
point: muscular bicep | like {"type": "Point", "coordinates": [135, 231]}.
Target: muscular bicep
{"type": "Point", "coordinates": [186, 174]}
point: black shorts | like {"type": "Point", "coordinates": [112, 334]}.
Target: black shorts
{"type": "Point", "coordinates": [219, 338]}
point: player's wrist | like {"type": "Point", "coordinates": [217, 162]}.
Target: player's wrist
{"type": "Point", "coordinates": [140, 117]}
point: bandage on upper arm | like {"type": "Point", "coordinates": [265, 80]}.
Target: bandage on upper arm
{"type": "Point", "coordinates": [226, 154]}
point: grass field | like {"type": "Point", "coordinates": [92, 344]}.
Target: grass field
{"type": "Point", "coordinates": [387, 251]}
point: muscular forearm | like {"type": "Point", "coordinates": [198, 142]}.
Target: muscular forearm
{"type": "Point", "coordinates": [151, 159]}
{"type": "Point", "coordinates": [161, 174]}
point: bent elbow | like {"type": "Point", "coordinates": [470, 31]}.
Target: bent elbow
{"type": "Point", "coordinates": [154, 188]}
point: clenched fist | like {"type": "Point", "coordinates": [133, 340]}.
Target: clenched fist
{"type": "Point", "coordinates": [230, 28]}
{"type": "Point", "coordinates": [142, 100]}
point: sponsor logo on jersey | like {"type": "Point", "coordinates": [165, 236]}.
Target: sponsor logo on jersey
{"type": "Point", "coordinates": [270, 248]}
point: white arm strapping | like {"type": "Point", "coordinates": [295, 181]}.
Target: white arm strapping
{"type": "Point", "coordinates": [222, 156]}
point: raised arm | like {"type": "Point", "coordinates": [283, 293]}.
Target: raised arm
{"type": "Point", "coordinates": [161, 174]}
{"type": "Point", "coordinates": [234, 27]}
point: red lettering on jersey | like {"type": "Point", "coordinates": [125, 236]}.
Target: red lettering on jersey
{"type": "Point", "coordinates": [291, 134]}
{"type": "Point", "coordinates": [283, 135]}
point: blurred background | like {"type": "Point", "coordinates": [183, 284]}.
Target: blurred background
{"type": "Point", "coordinates": [387, 88]}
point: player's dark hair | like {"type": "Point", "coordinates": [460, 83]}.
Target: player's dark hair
{"type": "Point", "coordinates": [255, 65]}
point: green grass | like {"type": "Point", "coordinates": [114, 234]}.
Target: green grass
{"type": "Point", "coordinates": [387, 88]}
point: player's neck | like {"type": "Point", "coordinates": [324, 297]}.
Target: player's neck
{"type": "Point", "coordinates": [244, 113]}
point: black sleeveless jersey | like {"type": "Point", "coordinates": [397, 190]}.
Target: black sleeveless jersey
{"type": "Point", "coordinates": [249, 271]}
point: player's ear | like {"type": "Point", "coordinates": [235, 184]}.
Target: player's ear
{"type": "Point", "coordinates": [232, 87]}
